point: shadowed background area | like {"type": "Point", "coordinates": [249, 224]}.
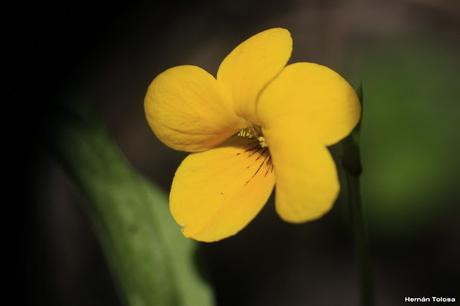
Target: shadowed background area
{"type": "Point", "coordinates": [404, 51]}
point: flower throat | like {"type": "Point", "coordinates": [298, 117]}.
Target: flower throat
{"type": "Point", "coordinates": [253, 132]}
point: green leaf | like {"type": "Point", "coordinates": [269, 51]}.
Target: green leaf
{"type": "Point", "coordinates": [409, 142]}
{"type": "Point", "coordinates": [153, 264]}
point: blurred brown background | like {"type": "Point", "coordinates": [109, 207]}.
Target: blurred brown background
{"type": "Point", "coordinates": [404, 51]}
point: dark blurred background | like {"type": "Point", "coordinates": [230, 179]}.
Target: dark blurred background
{"type": "Point", "coordinates": [406, 53]}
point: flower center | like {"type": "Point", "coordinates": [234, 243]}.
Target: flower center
{"type": "Point", "coordinates": [254, 132]}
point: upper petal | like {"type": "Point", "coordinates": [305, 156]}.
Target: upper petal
{"type": "Point", "coordinates": [306, 177]}
{"type": "Point", "coordinates": [216, 193]}
{"type": "Point", "coordinates": [189, 110]}
{"type": "Point", "coordinates": [252, 64]}
{"type": "Point", "coordinates": [318, 99]}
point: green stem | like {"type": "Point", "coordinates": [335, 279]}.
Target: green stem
{"type": "Point", "coordinates": [353, 168]}
{"type": "Point", "coordinates": [360, 240]}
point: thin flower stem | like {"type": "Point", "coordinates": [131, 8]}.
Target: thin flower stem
{"type": "Point", "coordinates": [360, 240]}
{"type": "Point", "coordinates": [352, 165]}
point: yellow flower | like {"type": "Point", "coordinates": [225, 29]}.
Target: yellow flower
{"type": "Point", "coordinates": [259, 123]}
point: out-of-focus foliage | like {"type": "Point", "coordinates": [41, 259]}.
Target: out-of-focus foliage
{"type": "Point", "coordinates": [410, 140]}
{"type": "Point", "coordinates": [151, 261]}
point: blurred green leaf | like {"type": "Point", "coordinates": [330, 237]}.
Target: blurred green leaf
{"type": "Point", "coordinates": [409, 136]}
{"type": "Point", "coordinates": [151, 261]}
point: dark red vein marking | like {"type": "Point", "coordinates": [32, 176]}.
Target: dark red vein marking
{"type": "Point", "coordinates": [269, 166]}
{"type": "Point", "coordinates": [254, 152]}
{"type": "Point", "coordinates": [258, 169]}
{"type": "Point", "coordinates": [264, 150]}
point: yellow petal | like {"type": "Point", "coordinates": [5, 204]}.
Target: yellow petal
{"type": "Point", "coordinates": [216, 193]}
{"type": "Point", "coordinates": [306, 178]}
{"type": "Point", "coordinates": [318, 99]}
{"type": "Point", "coordinates": [252, 64]}
{"type": "Point", "coordinates": [189, 110]}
